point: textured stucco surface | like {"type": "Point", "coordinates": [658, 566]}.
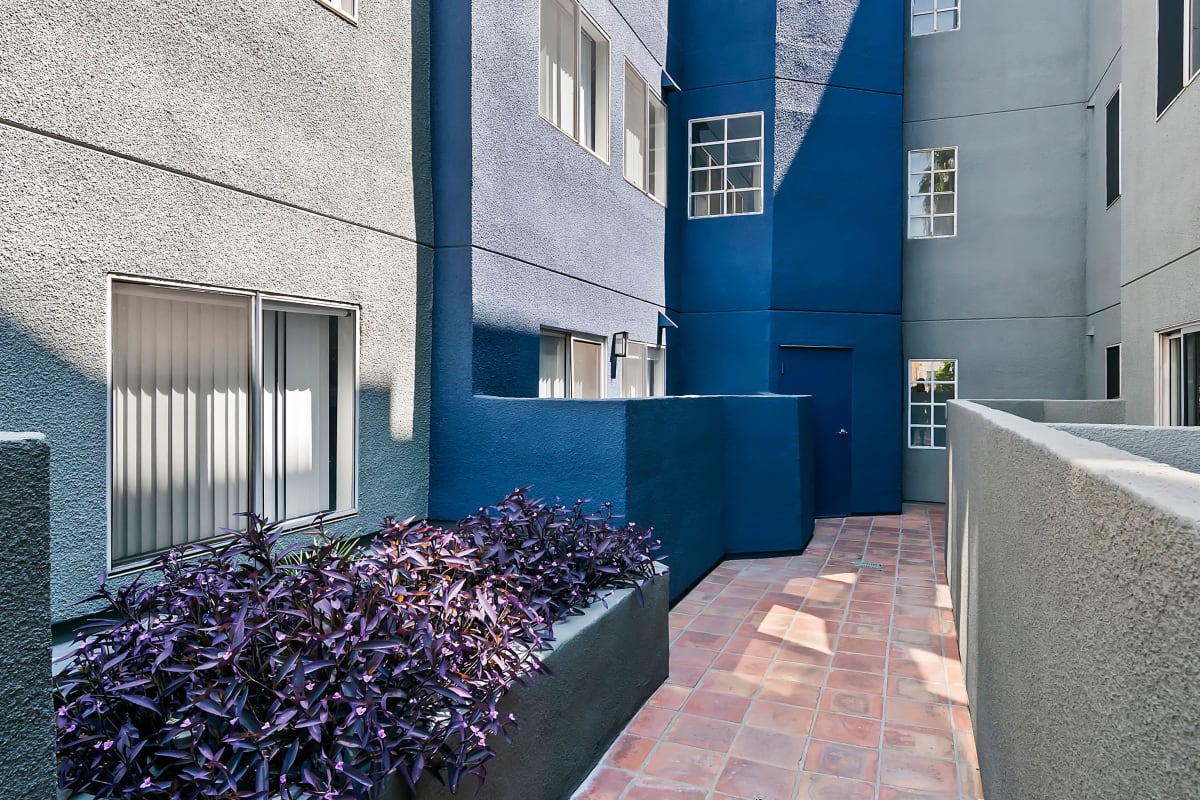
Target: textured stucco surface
{"type": "Point", "coordinates": [26, 718]}
{"type": "Point", "coordinates": [281, 98]}
{"type": "Point", "coordinates": [71, 216]}
{"type": "Point", "coordinates": [1178, 447]}
{"type": "Point", "coordinates": [1096, 412]}
{"type": "Point", "coordinates": [1075, 575]}
{"type": "Point", "coordinates": [567, 720]}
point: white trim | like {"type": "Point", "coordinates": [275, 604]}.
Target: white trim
{"type": "Point", "coordinates": [913, 14]}
{"type": "Point", "coordinates": [603, 120]}
{"type": "Point", "coordinates": [723, 192]}
{"type": "Point", "coordinates": [932, 425]}
{"type": "Point", "coordinates": [932, 193]}
{"type": "Point", "coordinates": [351, 18]}
{"type": "Point", "coordinates": [651, 96]}
{"type": "Point", "coordinates": [256, 460]}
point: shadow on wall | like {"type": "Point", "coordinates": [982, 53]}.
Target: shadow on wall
{"type": "Point", "coordinates": [41, 391]}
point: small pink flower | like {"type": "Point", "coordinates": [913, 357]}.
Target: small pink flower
{"type": "Point", "coordinates": [146, 784]}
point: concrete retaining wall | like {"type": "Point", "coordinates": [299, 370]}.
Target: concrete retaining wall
{"type": "Point", "coordinates": [567, 720]}
{"type": "Point", "coordinates": [1099, 412]}
{"type": "Point", "coordinates": [1179, 447]}
{"type": "Point", "coordinates": [26, 715]}
{"type": "Point", "coordinates": [1075, 572]}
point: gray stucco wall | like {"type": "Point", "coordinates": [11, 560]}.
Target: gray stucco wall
{"type": "Point", "coordinates": [1073, 570]}
{"type": "Point", "coordinates": [27, 715]}
{"type": "Point", "coordinates": [275, 154]}
{"type": "Point", "coordinates": [1099, 412]}
{"type": "Point", "coordinates": [1177, 447]}
{"type": "Point", "coordinates": [1007, 295]}
{"type": "Point", "coordinates": [1160, 238]}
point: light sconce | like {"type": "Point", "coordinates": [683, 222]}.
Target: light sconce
{"type": "Point", "coordinates": [620, 344]}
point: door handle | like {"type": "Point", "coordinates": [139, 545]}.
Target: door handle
{"type": "Point", "coordinates": [843, 432]}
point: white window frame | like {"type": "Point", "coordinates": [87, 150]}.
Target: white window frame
{"type": "Point", "coordinates": [645, 362]}
{"type": "Point", "coordinates": [349, 16]}
{"type": "Point", "coordinates": [1163, 339]}
{"type": "Point", "coordinates": [931, 194]}
{"type": "Point", "coordinates": [583, 21]}
{"type": "Point", "coordinates": [939, 6]}
{"type": "Point", "coordinates": [569, 337]}
{"type": "Point", "coordinates": [932, 425]}
{"type": "Point", "coordinates": [255, 445]}
{"type": "Point", "coordinates": [652, 98]}
{"type": "Point", "coordinates": [724, 193]}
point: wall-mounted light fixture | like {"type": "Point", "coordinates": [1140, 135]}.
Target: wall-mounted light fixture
{"type": "Point", "coordinates": [664, 322]}
{"type": "Point", "coordinates": [620, 344]}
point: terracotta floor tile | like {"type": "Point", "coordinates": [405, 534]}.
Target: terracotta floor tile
{"type": "Point", "coordinates": [844, 761]}
{"type": "Point", "coordinates": [917, 689]}
{"type": "Point", "coordinates": [669, 696]}
{"type": "Point", "coordinates": [629, 752]}
{"type": "Point", "coordinates": [925, 715]}
{"type": "Point", "coordinates": [927, 742]}
{"type": "Point", "coordinates": [729, 683]}
{"type": "Point", "coordinates": [746, 645]}
{"type": "Point", "coordinates": [682, 764]}
{"type": "Point", "coordinates": [798, 672]}
{"type": "Point", "coordinates": [779, 717]}
{"type": "Point", "coordinates": [738, 664]}
{"type": "Point", "coordinates": [903, 771]}
{"type": "Point", "coordinates": [961, 717]}
{"type": "Point", "coordinates": [604, 784]}
{"type": "Point", "coordinates": [855, 681]}
{"type": "Point", "coordinates": [651, 722]}
{"type": "Point", "coordinates": [845, 729]}
{"type": "Point", "coordinates": [858, 661]}
{"type": "Point", "coordinates": [827, 787]}
{"type": "Point", "coordinates": [858, 704]}
{"type": "Point", "coordinates": [686, 675]}
{"type": "Point", "coordinates": [647, 788]}
{"type": "Point", "coordinates": [705, 641]}
{"type": "Point", "coordinates": [778, 690]}
{"type": "Point", "coordinates": [770, 747]}
{"type": "Point", "coordinates": [751, 779]}
{"type": "Point", "coordinates": [717, 706]}
{"type": "Point", "coordinates": [702, 733]}
{"type": "Point", "coordinates": [711, 623]}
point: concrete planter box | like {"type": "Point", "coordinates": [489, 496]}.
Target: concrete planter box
{"type": "Point", "coordinates": [605, 665]}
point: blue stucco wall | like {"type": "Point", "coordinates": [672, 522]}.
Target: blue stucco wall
{"type": "Point", "coordinates": [821, 265]}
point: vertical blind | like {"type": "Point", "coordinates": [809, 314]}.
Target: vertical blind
{"type": "Point", "coordinates": [552, 366]}
{"type": "Point", "coordinates": [635, 128]}
{"type": "Point", "coordinates": [181, 417]}
{"type": "Point", "coordinates": [586, 368]}
{"type": "Point", "coordinates": [556, 92]}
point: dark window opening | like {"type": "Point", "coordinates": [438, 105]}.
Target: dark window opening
{"type": "Point", "coordinates": [1112, 382]}
{"type": "Point", "coordinates": [1170, 51]}
{"type": "Point", "coordinates": [1112, 126]}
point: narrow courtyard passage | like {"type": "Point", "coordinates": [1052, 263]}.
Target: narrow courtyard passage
{"type": "Point", "coordinates": [810, 677]}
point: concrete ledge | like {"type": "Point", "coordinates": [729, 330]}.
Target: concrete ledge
{"type": "Point", "coordinates": [27, 714]}
{"type": "Point", "coordinates": [1075, 574]}
{"type": "Point", "coordinates": [1102, 412]}
{"type": "Point", "coordinates": [1178, 447]}
{"type": "Point", "coordinates": [605, 665]}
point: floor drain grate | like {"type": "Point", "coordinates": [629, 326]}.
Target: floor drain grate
{"type": "Point", "coordinates": [866, 565]}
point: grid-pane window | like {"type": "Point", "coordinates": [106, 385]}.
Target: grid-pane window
{"type": "Point", "coordinates": [185, 421]}
{"type": "Point", "coordinates": [343, 8]}
{"type": "Point", "coordinates": [934, 16]}
{"type": "Point", "coordinates": [933, 193]}
{"type": "Point", "coordinates": [931, 384]}
{"type": "Point", "coordinates": [1112, 129]}
{"type": "Point", "coordinates": [645, 136]}
{"type": "Point", "coordinates": [1181, 376]}
{"type": "Point", "coordinates": [573, 74]}
{"type": "Point", "coordinates": [570, 366]}
{"type": "Point", "coordinates": [644, 371]}
{"type": "Point", "coordinates": [726, 166]}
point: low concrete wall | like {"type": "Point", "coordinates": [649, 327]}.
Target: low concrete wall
{"type": "Point", "coordinates": [1179, 447]}
{"type": "Point", "coordinates": [26, 715]}
{"type": "Point", "coordinates": [1075, 573]}
{"type": "Point", "coordinates": [1101, 412]}
{"type": "Point", "coordinates": [714, 475]}
{"type": "Point", "coordinates": [605, 665]}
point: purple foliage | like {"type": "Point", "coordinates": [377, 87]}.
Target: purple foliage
{"type": "Point", "coordinates": [250, 673]}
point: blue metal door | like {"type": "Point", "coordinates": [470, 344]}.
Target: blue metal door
{"type": "Point", "coordinates": [824, 373]}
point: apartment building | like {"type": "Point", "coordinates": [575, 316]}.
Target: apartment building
{"type": "Point", "coordinates": [720, 264]}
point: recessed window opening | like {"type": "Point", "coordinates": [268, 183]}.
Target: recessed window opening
{"type": "Point", "coordinates": [1112, 129]}
{"type": "Point", "coordinates": [1112, 371]}
{"type": "Point", "coordinates": [198, 435]}
{"type": "Point", "coordinates": [1178, 48]}
{"type": "Point", "coordinates": [933, 193]}
{"type": "Point", "coordinates": [931, 384]}
{"type": "Point", "coordinates": [1180, 375]}
{"type": "Point", "coordinates": [934, 16]}
{"type": "Point", "coordinates": [644, 371]}
{"type": "Point", "coordinates": [573, 75]}
{"type": "Point", "coordinates": [726, 172]}
{"type": "Point", "coordinates": [570, 365]}
{"type": "Point", "coordinates": [645, 136]}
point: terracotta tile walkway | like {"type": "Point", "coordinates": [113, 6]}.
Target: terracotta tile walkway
{"type": "Point", "coordinates": [807, 677]}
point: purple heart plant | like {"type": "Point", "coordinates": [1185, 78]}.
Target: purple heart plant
{"type": "Point", "coordinates": [262, 670]}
